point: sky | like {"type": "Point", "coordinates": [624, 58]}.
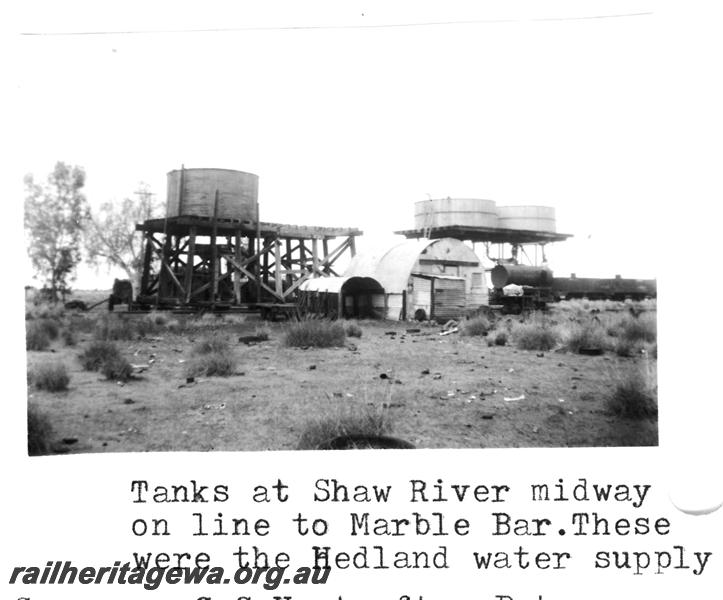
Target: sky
{"type": "Point", "coordinates": [352, 112]}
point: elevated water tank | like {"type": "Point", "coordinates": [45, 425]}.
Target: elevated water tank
{"type": "Point", "coordinates": [529, 218]}
{"type": "Point", "coordinates": [192, 192]}
{"type": "Point", "coordinates": [471, 212]}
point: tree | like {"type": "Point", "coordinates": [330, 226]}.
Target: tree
{"type": "Point", "coordinates": [111, 235]}
{"type": "Point", "coordinates": [55, 214]}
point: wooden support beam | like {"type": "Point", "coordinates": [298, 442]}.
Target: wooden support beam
{"type": "Point", "coordinates": [289, 263]}
{"type": "Point", "coordinates": [297, 283]}
{"type": "Point", "coordinates": [325, 244]}
{"type": "Point", "coordinates": [302, 254]}
{"type": "Point", "coordinates": [254, 247]}
{"type": "Point", "coordinates": [315, 255]}
{"type": "Point", "coordinates": [214, 253]}
{"type": "Point", "coordinates": [164, 263]}
{"type": "Point", "coordinates": [265, 268]}
{"type": "Point", "coordinates": [147, 255]}
{"type": "Point", "coordinates": [174, 279]}
{"type": "Point", "coordinates": [330, 259]}
{"type": "Point", "coordinates": [237, 276]}
{"type": "Point", "coordinates": [189, 263]}
{"type": "Point", "coordinates": [208, 285]}
{"type": "Point", "coordinates": [251, 276]}
{"type": "Point", "coordinates": [277, 269]}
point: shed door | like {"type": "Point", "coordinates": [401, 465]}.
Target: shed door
{"type": "Point", "coordinates": [421, 296]}
{"type": "Point", "coordinates": [448, 299]}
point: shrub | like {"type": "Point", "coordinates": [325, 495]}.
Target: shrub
{"type": "Point", "coordinates": [157, 318]}
{"type": "Point", "coordinates": [634, 397]}
{"type": "Point", "coordinates": [177, 325]}
{"type": "Point", "coordinates": [52, 377]}
{"type": "Point", "coordinates": [116, 368]}
{"type": "Point", "coordinates": [46, 311]}
{"type": "Point", "coordinates": [626, 348]}
{"type": "Point", "coordinates": [262, 332]}
{"type": "Point", "coordinates": [211, 345]}
{"type": "Point", "coordinates": [69, 337]}
{"type": "Point", "coordinates": [222, 364]}
{"type": "Point", "coordinates": [35, 337]}
{"type": "Point", "coordinates": [81, 323]}
{"type": "Point", "coordinates": [585, 336]}
{"type": "Point", "coordinates": [534, 336]}
{"type": "Point", "coordinates": [639, 329]}
{"type": "Point", "coordinates": [315, 333]}
{"type": "Point", "coordinates": [111, 328]}
{"type": "Point", "coordinates": [500, 338]}
{"type": "Point", "coordinates": [144, 326]}
{"type": "Point", "coordinates": [40, 432]}
{"type": "Point", "coordinates": [477, 326]}
{"type": "Point", "coordinates": [97, 353]}
{"type": "Point", "coordinates": [353, 330]}
{"type": "Point", "coordinates": [365, 420]}
{"type": "Point", "coordinates": [51, 327]}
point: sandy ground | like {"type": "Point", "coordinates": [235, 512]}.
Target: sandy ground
{"type": "Point", "coordinates": [439, 391]}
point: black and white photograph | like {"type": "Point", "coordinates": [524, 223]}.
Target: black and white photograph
{"type": "Point", "coordinates": [340, 234]}
{"type": "Point", "coordinates": [338, 300]}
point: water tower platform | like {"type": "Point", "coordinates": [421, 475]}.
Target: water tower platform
{"type": "Point", "coordinates": [193, 262]}
{"type": "Point", "coordinates": [486, 234]}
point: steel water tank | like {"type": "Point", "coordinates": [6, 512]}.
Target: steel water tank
{"type": "Point", "coordinates": [442, 212]}
{"type": "Point", "coordinates": [529, 218]}
{"type": "Point", "coordinates": [192, 192]}
{"type": "Point", "coordinates": [506, 274]}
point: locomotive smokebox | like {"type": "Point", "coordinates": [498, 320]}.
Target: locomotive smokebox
{"type": "Point", "coordinates": [507, 274]}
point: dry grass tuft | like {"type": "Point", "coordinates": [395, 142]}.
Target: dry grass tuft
{"type": "Point", "coordinates": [497, 338]}
{"type": "Point", "coordinates": [35, 337]}
{"type": "Point", "coordinates": [263, 332]}
{"type": "Point", "coordinates": [51, 327]}
{"type": "Point", "coordinates": [352, 329]}
{"type": "Point", "coordinates": [475, 327]}
{"type": "Point", "coordinates": [583, 336]}
{"type": "Point", "coordinates": [113, 327]}
{"type": "Point", "coordinates": [536, 335]}
{"type": "Point", "coordinates": [643, 328]}
{"type": "Point", "coordinates": [45, 311]}
{"type": "Point", "coordinates": [345, 420]}
{"type": "Point", "coordinates": [211, 356]}
{"type": "Point", "coordinates": [315, 333]}
{"type": "Point", "coordinates": [627, 348]}
{"type": "Point", "coordinates": [69, 337]}
{"type": "Point", "coordinates": [97, 353]}
{"type": "Point", "coordinates": [52, 377]}
{"type": "Point", "coordinates": [81, 323]}
{"type": "Point", "coordinates": [116, 368]}
{"type": "Point", "coordinates": [211, 345]}
{"type": "Point", "coordinates": [636, 395]}
{"type": "Point", "coordinates": [221, 364]}
{"type": "Point", "coordinates": [40, 432]}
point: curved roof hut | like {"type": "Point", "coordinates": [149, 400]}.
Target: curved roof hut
{"type": "Point", "coordinates": [425, 279]}
{"type": "Point", "coordinates": [344, 297]}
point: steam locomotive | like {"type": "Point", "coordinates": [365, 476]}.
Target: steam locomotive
{"type": "Point", "coordinates": [521, 287]}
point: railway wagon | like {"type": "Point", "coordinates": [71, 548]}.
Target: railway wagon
{"type": "Point", "coordinates": [521, 287]}
{"type": "Point", "coordinates": [617, 288]}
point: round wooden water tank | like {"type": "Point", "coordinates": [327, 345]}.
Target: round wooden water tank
{"type": "Point", "coordinates": [472, 212]}
{"type": "Point", "coordinates": [192, 192]}
{"type": "Point", "coordinates": [529, 218]}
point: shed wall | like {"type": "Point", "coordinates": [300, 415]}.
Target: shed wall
{"type": "Point", "coordinates": [448, 299]}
